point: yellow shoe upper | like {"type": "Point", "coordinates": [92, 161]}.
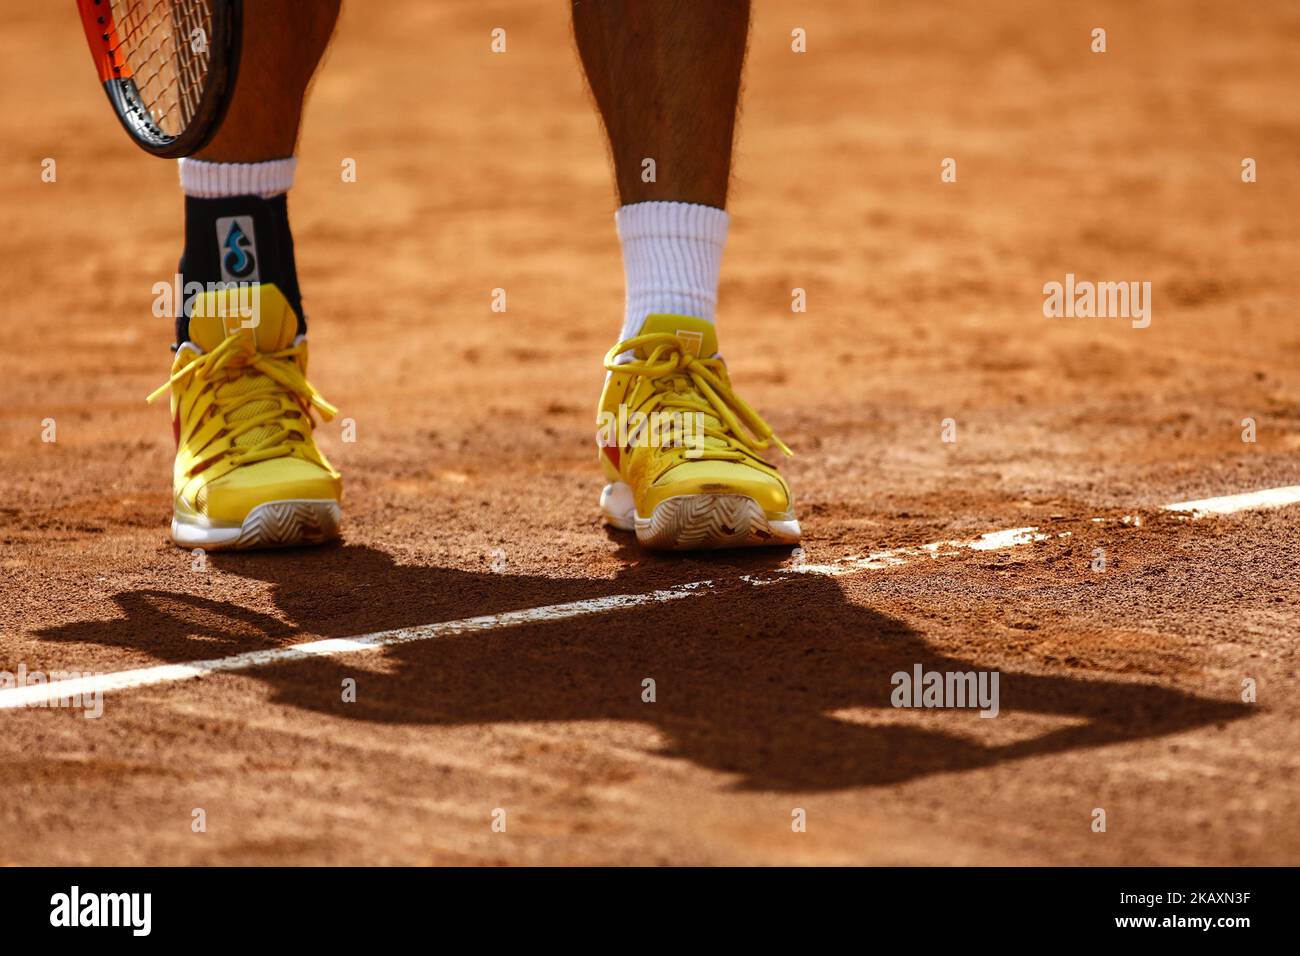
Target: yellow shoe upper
{"type": "Point", "coordinates": [669, 423]}
{"type": "Point", "coordinates": [241, 405]}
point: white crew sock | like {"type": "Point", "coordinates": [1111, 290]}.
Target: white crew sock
{"type": "Point", "coordinates": [672, 254]}
{"type": "Point", "coordinates": [204, 180]}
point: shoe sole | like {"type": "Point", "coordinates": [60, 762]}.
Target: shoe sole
{"type": "Point", "coordinates": [699, 522]}
{"type": "Point", "coordinates": [275, 524]}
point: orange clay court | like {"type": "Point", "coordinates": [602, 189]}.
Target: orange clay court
{"type": "Point", "coordinates": [471, 486]}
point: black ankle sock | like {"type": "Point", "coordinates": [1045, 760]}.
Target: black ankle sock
{"type": "Point", "coordinates": [239, 239]}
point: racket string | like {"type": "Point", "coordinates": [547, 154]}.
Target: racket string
{"type": "Point", "coordinates": [167, 59]}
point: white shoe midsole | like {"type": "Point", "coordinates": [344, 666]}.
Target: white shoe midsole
{"type": "Point", "coordinates": [618, 506]}
{"type": "Point", "coordinates": [619, 509]}
{"type": "Point", "coordinates": [190, 530]}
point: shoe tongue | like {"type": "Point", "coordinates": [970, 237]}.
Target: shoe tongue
{"type": "Point", "coordinates": [265, 322]}
{"type": "Point", "coordinates": [259, 312]}
{"type": "Point", "coordinates": [698, 336]}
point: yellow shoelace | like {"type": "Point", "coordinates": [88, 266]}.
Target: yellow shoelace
{"type": "Point", "coordinates": [683, 381]}
{"type": "Point", "coordinates": [215, 369]}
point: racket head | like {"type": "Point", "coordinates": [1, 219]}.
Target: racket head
{"type": "Point", "coordinates": [168, 66]}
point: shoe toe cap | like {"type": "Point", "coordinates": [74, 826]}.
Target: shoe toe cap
{"type": "Point", "coordinates": [721, 478]}
{"type": "Point", "coordinates": [230, 498]}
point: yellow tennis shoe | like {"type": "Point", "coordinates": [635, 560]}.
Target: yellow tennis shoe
{"type": "Point", "coordinates": [682, 452]}
{"type": "Point", "coordinates": [248, 473]}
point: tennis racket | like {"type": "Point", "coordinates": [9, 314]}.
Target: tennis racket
{"type": "Point", "coordinates": [168, 66]}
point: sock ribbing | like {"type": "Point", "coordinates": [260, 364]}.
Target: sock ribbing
{"type": "Point", "coordinates": [672, 256]}
{"type": "Point", "coordinates": [204, 180]}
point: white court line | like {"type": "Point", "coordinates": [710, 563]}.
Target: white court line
{"type": "Point", "coordinates": [169, 673]}
{"type": "Point", "coordinates": [1268, 498]}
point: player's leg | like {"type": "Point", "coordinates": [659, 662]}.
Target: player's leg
{"type": "Point", "coordinates": [665, 75]}
{"type": "Point", "coordinates": [284, 41]}
{"type": "Point", "coordinates": [248, 473]}
{"type": "Point", "coordinates": [666, 78]}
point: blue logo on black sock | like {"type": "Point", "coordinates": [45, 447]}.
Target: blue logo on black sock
{"type": "Point", "coordinates": [237, 244]}
{"type": "Point", "coordinates": [239, 263]}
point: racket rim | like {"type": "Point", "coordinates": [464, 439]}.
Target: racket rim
{"type": "Point", "coordinates": [119, 85]}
